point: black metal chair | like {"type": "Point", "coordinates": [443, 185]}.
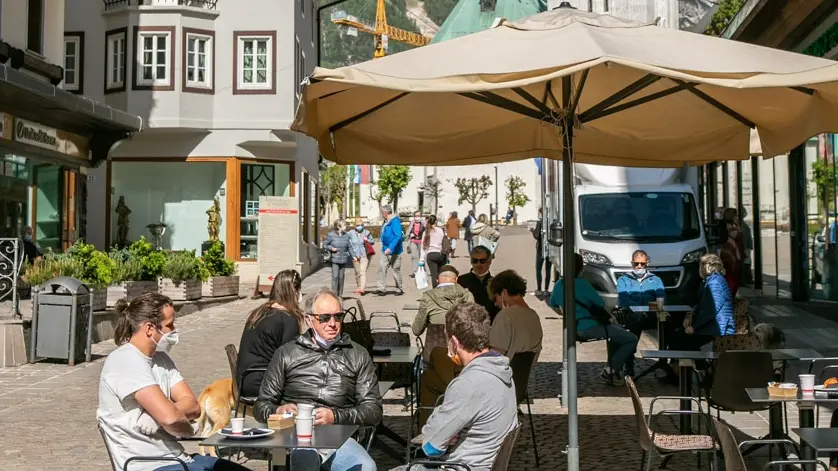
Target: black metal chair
{"type": "Point", "coordinates": [501, 462]}
{"type": "Point", "coordinates": [522, 365]}
{"type": "Point", "coordinates": [137, 458]}
{"type": "Point", "coordinates": [244, 402]}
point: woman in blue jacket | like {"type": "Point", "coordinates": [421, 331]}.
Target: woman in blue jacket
{"type": "Point", "coordinates": [713, 316]}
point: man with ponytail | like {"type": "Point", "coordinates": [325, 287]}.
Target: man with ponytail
{"type": "Point", "coordinates": [144, 402]}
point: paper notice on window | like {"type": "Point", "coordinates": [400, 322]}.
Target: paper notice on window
{"type": "Point", "coordinates": [278, 239]}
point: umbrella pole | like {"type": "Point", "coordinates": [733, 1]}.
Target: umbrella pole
{"type": "Point", "coordinates": [569, 279]}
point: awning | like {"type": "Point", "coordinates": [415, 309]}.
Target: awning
{"type": "Point", "coordinates": [36, 100]}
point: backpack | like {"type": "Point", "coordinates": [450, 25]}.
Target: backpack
{"type": "Point", "coordinates": [446, 246]}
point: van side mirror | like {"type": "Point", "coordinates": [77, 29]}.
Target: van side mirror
{"type": "Point", "coordinates": [556, 234]}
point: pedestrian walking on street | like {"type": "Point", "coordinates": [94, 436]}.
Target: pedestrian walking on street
{"type": "Point", "coordinates": [540, 260]}
{"type": "Point", "coordinates": [467, 223]}
{"type": "Point", "coordinates": [432, 247]}
{"type": "Point", "coordinates": [392, 240]}
{"type": "Point", "coordinates": [415, 236]}
{"type": "Point", "coordinates": [452, 227]}
{"type": "Point", "coordinates": [484, 234]}
{"type": "Point", "coordinates": [362, 250]}
{"type": "Point", "coordinates": [338, 245]}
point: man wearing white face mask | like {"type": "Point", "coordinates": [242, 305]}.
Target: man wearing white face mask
{"type": "Point", "coordinates": [144, 402]}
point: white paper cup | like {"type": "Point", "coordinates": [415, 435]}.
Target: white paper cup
{"type": "Point", "coordinates": [659, 303]}
{"type": "Point", "coordinates": [237, 426]}
{"type": "Point", "coordinates": [807, 384]}
{"type": "Point", "coordinates": [305, 411]}
{"type": "Point", "coordinates": [304, 427]}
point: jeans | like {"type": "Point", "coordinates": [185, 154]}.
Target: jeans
{"type": "Point", "coordinates": [361, 272]}
{"type": "Point", "coordinates": [470, 244]}
{"type": "Point", "coordinates": [338, 274]}
{"type": "Point", "coordinates": [351, 456]}
{"type": "Point", "coordinates": [540, 261]}
{"type": "Point", "coordinates": [434, 261]}
{"type": "Point", "coordinates": [385, 263]}
{"type": "Point", "coordinates": [204, 463]}
{"type": "Point", "coordinates": [415, 256]}
{"type": "Point", "coordinates": [622, 345]}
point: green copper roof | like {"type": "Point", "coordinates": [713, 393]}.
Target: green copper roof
{"type": "Point", "coordinates": [466, 17]}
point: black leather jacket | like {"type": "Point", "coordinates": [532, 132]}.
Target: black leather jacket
{"type": "Point", "coordinates": [341, 378]}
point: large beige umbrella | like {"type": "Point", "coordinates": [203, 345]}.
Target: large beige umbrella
{"type": "Point", "coordinates": [579, 86]}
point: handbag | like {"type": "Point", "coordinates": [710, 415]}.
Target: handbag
{"type": "Point", "coordinates": [446, 246]}
{"type": "Point", "coordinates": [369, 248]}
{"type": "Point", "coordinates": [359, 331]}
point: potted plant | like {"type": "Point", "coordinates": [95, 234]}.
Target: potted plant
{"type": "Point", "coordinates": [181, 276]}
{"type": "Point", "coordinates": [127, 281]}
{"type": "Point", "coordinates": [92, 267]}
{"type": "Point", "coordinates": [219, 273]}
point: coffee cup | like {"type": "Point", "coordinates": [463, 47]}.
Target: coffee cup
{"type": "Point", "coordinates": [305, 411]}
{"type": "Point", "coordinates": [807, 384]}
{"type": "Point", "coordinates": [237, 426]}
{"type": "Point", "coordinates": [304, 428]}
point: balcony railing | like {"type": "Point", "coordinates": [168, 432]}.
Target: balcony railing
{"type": "Point", "coordinates": [206, 4]}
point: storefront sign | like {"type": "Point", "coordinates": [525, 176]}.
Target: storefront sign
{"type": "Point", "coordinates": [37, 135]}
{"type": "Point", "coordinates": [278, 242]}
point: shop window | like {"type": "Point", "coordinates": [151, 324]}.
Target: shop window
{"type": "Point", "coordinates": [255, 57]}
{"type": "Point", "coordinates": [48, 206]}
{"type": "Point", "coordinates": [14, 198]}
{"type": "Point", "coordinates": [199, 60]}
{"type": "Point", "coordinates": [153, 51]}
{"type": "Point", "coordinates": [35, 26]}
{"type": "Point", "coordinates": [115, 60]}
{"type": "Point", "coordinates": [258, 180]}
{"type": "Point", "coordinates": [73, 61]}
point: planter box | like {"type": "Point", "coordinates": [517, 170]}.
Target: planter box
{"type": "Point", "coordinates": [129, 290]}
{"type": "Point", "coordinates": [100, 299]}
{"type": "Point", "coordinates": [220, 286]}
{"type": "Point", "coordinates": [180, 290]}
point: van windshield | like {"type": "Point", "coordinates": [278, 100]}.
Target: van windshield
{"type": "Point", "coordinates": [639, 217]}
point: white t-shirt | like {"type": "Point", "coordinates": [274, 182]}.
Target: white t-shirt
{"type": "Point", "coordinates": [126, 371]}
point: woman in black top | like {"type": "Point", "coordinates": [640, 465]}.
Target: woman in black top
{"type": "Point", "coordinates": [268, 327]}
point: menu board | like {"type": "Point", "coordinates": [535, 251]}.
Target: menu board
{"type": "Point", "coordinates": [278, 239]}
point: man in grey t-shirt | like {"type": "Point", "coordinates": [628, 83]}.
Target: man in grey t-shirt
{"type": "Point", "coordinates": [479, 408]}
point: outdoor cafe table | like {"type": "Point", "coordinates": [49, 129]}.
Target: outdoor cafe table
{"type": "Point", "coordinates": [819, 440]}
{"type": "Point", "coordinates": [324, 437]}
{"type": "Point", "coordinates": [805, 414]}
{"type": "Point", "coordinates": [685, 379]}
{"type": "Point", "coordinates": [398, 354]}
{"type": "Point", "coordinates": [662, 320]}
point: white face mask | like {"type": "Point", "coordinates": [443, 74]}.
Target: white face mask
{"type": "Point", "coordinates": [317, 337]}
{"type": "Point", "coordinates": [167, 341]}
{"type": "Point", "coordinates": [639, 272]}
{"type": "Point", "coordinates": [300, 297]}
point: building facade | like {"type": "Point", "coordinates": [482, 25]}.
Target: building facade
{"type": "Point", "coordinates": [49, 137]}
{"type": "Point", "coordinates": [217, 82]}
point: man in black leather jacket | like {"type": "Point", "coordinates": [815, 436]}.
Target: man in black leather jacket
{"type": "Point", "coordinates": [325, 368]}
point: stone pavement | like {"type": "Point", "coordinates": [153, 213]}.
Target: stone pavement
{"type": "Point", "coordinates": [47, 410]}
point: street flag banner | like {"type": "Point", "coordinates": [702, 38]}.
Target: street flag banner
{"type": "Point", "coordinates": [357, 179]}
{"type": "Point", "coordinates": [366, 174]}
{"type": "Point", "coordinates": [539, 161]}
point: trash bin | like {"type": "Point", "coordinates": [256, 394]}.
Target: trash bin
{"type": "Point", "coordinates": [62, 321]}
{"type": "Point", "coordinates": [829, 273]}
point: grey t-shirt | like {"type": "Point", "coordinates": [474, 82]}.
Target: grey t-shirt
{"type": "Point", "coordinates": [516, 329]}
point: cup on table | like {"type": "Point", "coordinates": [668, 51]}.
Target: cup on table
{"type": "Point", "coordinates": [807, 384]}
{"type": "Point", "coordinates": [304, 426]}
{"type": "Point", "coordinates": [237, 426]}
{"type": "Point", "coordinates": [305, 411]}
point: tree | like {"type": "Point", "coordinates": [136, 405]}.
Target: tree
{"type": "Point", "coordinates": [823, 176]}
{"type": "Point", "coordinates": [727, 10]}
{"type": "Point", "coordinates": [473, 190]}
{"type": "Point", "coordinates": [333, 184]}
{"type": "Point", "coordinates": [392, 180]}
{"type": "Point", "coordinates": [432, 187]}
{"type": "Point", "coordinates": [515, 196]}
{"type": "Point", "coordinates": [438, 10]}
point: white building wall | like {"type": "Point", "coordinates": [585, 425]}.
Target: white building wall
{"type": "Point", "coordinates": [13, 27]}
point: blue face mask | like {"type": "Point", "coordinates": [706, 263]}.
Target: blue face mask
{"type": "Point", "coordinates": [359, 228]}
{"type": "Point", "coordinates": [639, 272]}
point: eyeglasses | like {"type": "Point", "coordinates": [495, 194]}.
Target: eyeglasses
{"type": "Point", "coordinates": [479, 261]}
{"type": "Point", "coordinates": [324, 318]}
{"type": "Point", "coordinates": [639, 264]}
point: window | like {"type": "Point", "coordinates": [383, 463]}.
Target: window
{"type": "Point", "coordinates": [35, 26]}
{"type": "Point", "coordinates": [73, 61]}
{"type": "Point", "coordinates": [115, 60]}
{"type": "Point", "coordinates": [258, 180]}
{"type": "Point", "coordinates": [255, 62]}
{"type": "Point", "coordinates": [153, 52]}
{"type": "Point", "coordinates": [198, 60]}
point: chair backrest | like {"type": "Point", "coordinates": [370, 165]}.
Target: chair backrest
{"type": "Point", "coordinates": [736, 371]}
{"type": "Point", "coordinates": [385, 315]}
{"type": "Point", "coordinates": [522, 365]}
{"type": "Point", "coordinates": [644, 435]}
{"type": "Point", "coordinates": [733, 456]}
{"type": "Point", "coordinates": [233, 359]}
{"type": "Point", "coordinates": [108, 448]}
{"type": "Point", "coordinates": [505, 451]}
{"type": "Point", "coordinates": [434, 337]}
{"type": "Point", "coordinates": [736, 342]}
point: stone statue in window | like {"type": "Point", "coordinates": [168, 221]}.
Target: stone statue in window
{"type": "Point", "coordinates": [122, 211]}
{"type": "Point", "coordinates": [214, 220]}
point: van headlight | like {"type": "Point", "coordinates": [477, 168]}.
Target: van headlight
{"type": "Point", "coordinates": [594, 258]}
{"type": "Point", "coordinates": [693, 256]}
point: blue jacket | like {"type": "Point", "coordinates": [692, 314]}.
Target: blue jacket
{"type": "Point", "coordinates": [392, 237]}
{"type": "Point", "coordinates": [634, 292]}
{"type": "Point", "coordinates": [586, 296]}
{"type": "Point", "coordinates": [714, 313]}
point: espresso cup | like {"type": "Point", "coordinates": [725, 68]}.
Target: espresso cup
{"type": "Point", "coordinates": [237, 426]}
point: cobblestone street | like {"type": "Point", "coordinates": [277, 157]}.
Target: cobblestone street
{"type": "Point", "coordinates": [48, 410]}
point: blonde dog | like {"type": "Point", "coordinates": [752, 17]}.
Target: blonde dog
{"type": "Point", "coordinates": [216, 402]}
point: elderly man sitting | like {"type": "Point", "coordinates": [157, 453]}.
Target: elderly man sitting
{"type": "Point", "coordinates": [325, 368]}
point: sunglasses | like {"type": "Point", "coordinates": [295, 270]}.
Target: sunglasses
{"type": "Point", "coordinates": [639, 264]}
{"type": "Point", "coordinates": [479, 261]}
{"type": "Point", "coordinates": [324, 318]}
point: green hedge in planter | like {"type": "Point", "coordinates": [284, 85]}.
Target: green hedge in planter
{"type": "Point", "coordinates": [92, 267]}
{"type": "Point", "coordinates": [126, 266]}
{"type": "Point", "coordinates": [152, 260]}
{"type": "Point", "coordinates": [182, 266]}
{"type": "Point", "coordinates": [214, 262]}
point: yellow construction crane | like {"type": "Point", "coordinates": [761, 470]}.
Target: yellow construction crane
{"type": "Point", "coordinates": [381, 30]}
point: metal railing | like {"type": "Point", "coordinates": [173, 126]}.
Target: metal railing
{"type": "Point", "coordinates": [11, 264]}
{"type": "Point", "coordinates": [206, 4]}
